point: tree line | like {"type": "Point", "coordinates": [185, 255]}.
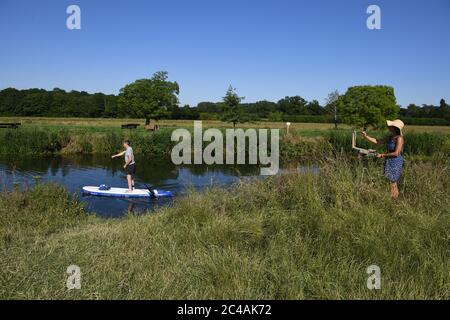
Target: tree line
{"type": "Point", "coordinates": [61, 103]}
{"type": "Point", "coordinates": [157, 98]}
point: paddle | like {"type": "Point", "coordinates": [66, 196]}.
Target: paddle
{"type": "Point", "coordinates": [150, 190]}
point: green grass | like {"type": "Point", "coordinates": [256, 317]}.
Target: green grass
{"type": "Point", "coordinates": [293, 236]}
{"type": "Point", "coordinates": [105, 124]}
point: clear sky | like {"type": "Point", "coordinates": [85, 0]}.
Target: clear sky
{"type": "Point", "coordinates": [266, 49]}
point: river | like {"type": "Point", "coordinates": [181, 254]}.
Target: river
{"type": "Point", "coordinates": [74, 172]}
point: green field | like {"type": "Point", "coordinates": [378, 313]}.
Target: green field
{"type": "Point", "coordinates": [105, 124]}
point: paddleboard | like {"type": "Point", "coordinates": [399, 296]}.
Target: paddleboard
{"type": "Point", "coordinates": [124, 193]}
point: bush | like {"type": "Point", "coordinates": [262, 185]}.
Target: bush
{"type": "Point", "coordinates": [209, 116]}
{"type": "Point", "coordinates": [275, 116]}
{"type": "Point", "coordinates": [294, 148]}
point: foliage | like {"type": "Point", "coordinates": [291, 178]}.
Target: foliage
{"type": "Point", "coordinates": [427, 111]}
{"type": "Point", "coordinates": [276, 116]}
{"type": "Point", "coordinates": [232, 112]}
{"type": "Point", "coordinates": [332, 105]}
{"type": "Point", "coordinates": [56, 103]}
{"type": "Point", "coordinates": [149, 98]}
{"type": "Point", "coordinates": [292, 105]}
{"type": "Point", "coordinates": [59, 103]}
{"type": "Point", "coordinates": [365, 106]}
{"type": "Point", "coordinates": [425, 121]}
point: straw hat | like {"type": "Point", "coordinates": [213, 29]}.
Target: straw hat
{"type": "Point", "coordinates": [396, 123]}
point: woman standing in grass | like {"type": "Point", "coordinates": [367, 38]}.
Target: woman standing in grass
{"type": "Point", "coordinates": [393, 164]}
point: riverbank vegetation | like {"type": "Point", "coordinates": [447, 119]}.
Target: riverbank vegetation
{"type": "Point", "coordinates": [298, 235]}
{"type": "Point", "coordinates": [40, 138]}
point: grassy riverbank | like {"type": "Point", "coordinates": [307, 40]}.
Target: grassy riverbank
{"type": "Point", "coordinates": [294, 236]}
{"type": "Point", "coordinates": [38, 140]}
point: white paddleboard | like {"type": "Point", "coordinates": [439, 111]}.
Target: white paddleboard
{"type": "Point", "coordinates": [124, 193]}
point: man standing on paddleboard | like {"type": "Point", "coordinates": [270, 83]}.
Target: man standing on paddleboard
{"type": "Point", "coordinates": [130, 165]}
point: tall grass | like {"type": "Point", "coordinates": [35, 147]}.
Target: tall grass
{"type": "Point", "coordinates": [38, 141]}
{"type": "Point", "coordinates": [426, 144]}
{"type": "Point", "coordinates": [300, 235]}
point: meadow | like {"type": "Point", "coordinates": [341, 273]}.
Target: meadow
{"type": "Point", "coordinates": [99, 124]}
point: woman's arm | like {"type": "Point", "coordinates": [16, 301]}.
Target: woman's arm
{"type": "Point", "coordinates": [370, 139]}
{"type": "Point", "coordinates": [397, 151]}
{"type": "Point", "coordinates": [118, 155]}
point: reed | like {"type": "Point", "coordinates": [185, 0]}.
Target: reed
{"type": "Point", "coordinates": [298, 145]}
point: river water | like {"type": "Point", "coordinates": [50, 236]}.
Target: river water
{"type": "Point", "coordinates": [74, 172]}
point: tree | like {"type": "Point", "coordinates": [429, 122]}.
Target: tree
{"type": "Point", "coordinates": [111, 109]}
{"type": "Point", "coordinates": [365, 106]}
{"type": "Point", "coordinates": [314, 108]}
{"type": "Point", "coordinates": [149, 98]}
{"type": "Point", "coordinates": [293, 105]}
{"type": "Point", "coordinates": [260, 109]}
{"type": "Point", "coordinates": [10, 98]}
{"type": "Point", "coordinates": [444, 109]}
{"type": "Point", "coordinates": [232, 112]}
{"type": "Point", "coordinates": [264, 108]}
{"type": "Point", "coordinates": [331, 107]}
{"type": "Point", "coordinates": [210, 107]}
{"type": "Point", "coordinates": [35, 103]}
{"type": "Point", "coordinates": [412, 110]}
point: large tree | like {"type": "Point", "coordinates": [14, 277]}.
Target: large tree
{"type": "Point", "coordinates": [365, 106]}
{"type": "Point", "coordinates": [149, 98]}
{"type": "Point", "coordinates": [233, 112]}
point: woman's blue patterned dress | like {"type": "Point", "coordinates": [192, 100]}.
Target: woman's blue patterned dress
{"type": "Point", "coordinates": [393, 166]}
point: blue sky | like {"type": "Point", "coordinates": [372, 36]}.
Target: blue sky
{"type": "Point", "coordinates": [266, 49]}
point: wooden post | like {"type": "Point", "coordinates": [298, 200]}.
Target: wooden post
{"type": "Point", "coordinates": [288, 124]}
